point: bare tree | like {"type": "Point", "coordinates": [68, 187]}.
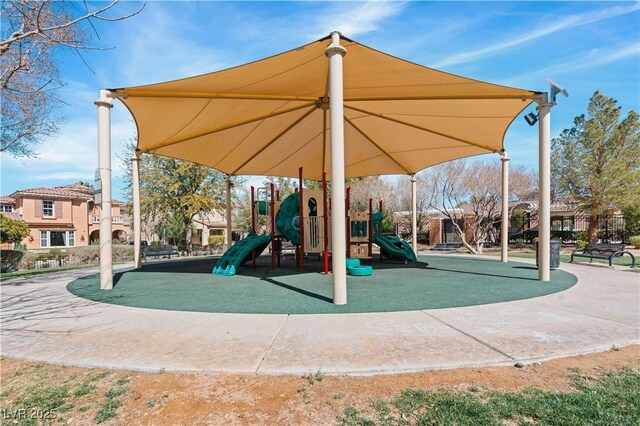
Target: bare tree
{"type": "Point", "coordinates": [469, 194]}
{"type": "Point", "coordinates": [32, 34]}
{"type": "Point", "coordinates": [424, 198]}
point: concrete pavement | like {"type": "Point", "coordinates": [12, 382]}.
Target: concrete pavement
{"type": "Point", "coordinates": [41, 321]}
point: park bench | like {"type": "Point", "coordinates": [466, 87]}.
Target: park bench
{"type": "Point", "coordinates": [154, 251]}
{"type": "Point", "coordinates": [603, 251]}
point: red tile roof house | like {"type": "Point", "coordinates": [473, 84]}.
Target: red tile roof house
{"type": "Point", "coordinates": [61, 217]}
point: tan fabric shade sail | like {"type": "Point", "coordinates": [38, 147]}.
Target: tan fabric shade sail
{"type": "Point", "coordinates": [271, 117]}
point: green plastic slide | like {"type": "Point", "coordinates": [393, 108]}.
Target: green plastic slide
{"type": "Point", "coordinates": [239, 253]}
{"type": "Point", "coordinates": [395, 248]}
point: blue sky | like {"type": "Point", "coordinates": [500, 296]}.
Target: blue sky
{"type": "Point", "coordinates": [585, 46]}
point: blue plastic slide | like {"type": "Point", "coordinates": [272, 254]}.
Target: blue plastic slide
{"type": "Point", "coordinates": [395, 248]}
{"type": "Point", "coordinates": [239, 253]}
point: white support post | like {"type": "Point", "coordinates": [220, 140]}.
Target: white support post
{"type": "Point", "coordinates": [544, 202]}
{"type": "Point", "coordinates": [228, 236]}
{"type": "Point", "coordinates": [335, 53]}
{"type": "Point", "coordinates": [104, 104]}
{"type": "Point", "coordinates": [504, 230]}
{"type": "Point", "coordinates": [414, 215]}
{"type": "Point", "coordinates": [137, 223]}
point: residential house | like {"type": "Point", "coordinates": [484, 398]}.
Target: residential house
{"type": "Point", "coordinates": [62, 216]}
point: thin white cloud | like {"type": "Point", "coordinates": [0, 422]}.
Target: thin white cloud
{"type": "Point", "coordinates": [354, 18]}
{"type": "Point", "coordinates": [511, 41]}
{"type": "Point", "coordinates": [596, 57]}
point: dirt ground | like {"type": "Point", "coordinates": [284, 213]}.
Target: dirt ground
{"type": "Point", "coordinates": [163, 398]}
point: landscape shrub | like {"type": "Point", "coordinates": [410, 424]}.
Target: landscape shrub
{"type": "Point", "coordinates": [91, 254]}
{"type": "Point", "coordinates": [10, 259]}
{"type": "Point", "coordinates": [519, 243]}
{"type": "Point", "coordinates": [215, 241]}
{"type": "Point", "coordinates": [635, 241]}
{"type": "Point", "coordinates": [28, 261]}
{"type": "Point", "coordinates": [581, 244]}
{"type": "Point", "coordinates": [423, 237]}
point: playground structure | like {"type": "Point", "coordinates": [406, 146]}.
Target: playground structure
{"type": "Point", "coordinates": [303, 219]}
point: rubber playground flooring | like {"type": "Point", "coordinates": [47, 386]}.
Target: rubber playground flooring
{"type": "Point", "coordinates": [431, 283]}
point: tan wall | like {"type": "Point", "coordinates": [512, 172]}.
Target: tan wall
{"type": "Point", "coordinates": [115, 226]}
{"type": "Point", "coordinates": [71, 216]}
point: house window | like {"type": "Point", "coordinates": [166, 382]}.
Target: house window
{"type": "Point", "coordinates": [47, 208]}
{"type": "Point", "coordinates": [57, 238]}
{"type": "Point", "coordinates": [6, 208]}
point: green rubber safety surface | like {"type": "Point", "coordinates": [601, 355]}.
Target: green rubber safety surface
{"type": "Point", "coordinates": [187, 285]}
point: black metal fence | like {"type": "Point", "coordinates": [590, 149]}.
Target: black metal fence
{"type": "Point", "coordinates": [570, 229]}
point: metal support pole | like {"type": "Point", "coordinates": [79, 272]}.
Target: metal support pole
{"type": "Point", "coordinates": [228, 236]}
{"type": "Point", "coordinates": [504, 229]}
{"type": "Point", "coordinates": [272, 213]}
{"type": "Point", "coordinates": [414, 215]}
{"type": "Point", "coordinates": [104, 104]}
{"type": "Point", "coordinates": [325, 223]}
{"type": "Point", "coordinates": [544, 202]}
{"type": "Point", "coordinates": [137, 223]}
{"type": "Point", "coordinates": [301, 208]}
{"type": "Point", "coordinates": [335, 52]}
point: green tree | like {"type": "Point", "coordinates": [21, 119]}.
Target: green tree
{"type": "Point", "coordinates": [12, 231]}
{"type": "Point", "coordinates": [173, 192]}
{"type": "Point", "coordinates": [631, 216]}
{"type": "Point", "coordinates": [596, 163]}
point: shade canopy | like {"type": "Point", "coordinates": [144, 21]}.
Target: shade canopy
{"type": "Point", "coordinates": [270, 117]}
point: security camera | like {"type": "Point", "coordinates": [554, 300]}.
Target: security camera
{"type": "Point", "coordinates": [555, 89]}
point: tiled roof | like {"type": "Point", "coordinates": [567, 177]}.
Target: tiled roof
{"type": "Point", "coordinates": [13, 216]}
{"type": "Point", "coordinates": [5, 199]}
{"type": "Point", "coordinates": [52, 192]}
{"type": "Point", "coordinates": [76, 187]}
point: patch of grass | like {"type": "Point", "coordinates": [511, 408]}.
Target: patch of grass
{"type": "Point", "coordinates": [84, 408]}
{"type": "Point", "coordinates": [84, 389]}
{"type": "Point", "coordinates": [152, 403]}
{"type": "Point", "coordinates": [108, 410]}
{"type": "Point", "coordinates": [123, 380]}
{"type": "Point", "coordinates": [315, 377]}
{"type": "Point", "coordinates": [338, 396]}
{"type": "Point", "coordinates": [116, 391]}
{"type": "Point", "coordinates": [98, 376]}
{"type": "Point", "coordinates": [6, 276]}
{"type": "Point", "coordinates": [612, 398]}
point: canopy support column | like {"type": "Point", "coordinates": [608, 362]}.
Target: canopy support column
{"type": "Point", "coordinates": [504, 229]}
{"type": "Point", "coordinates": [544, 201]}
{"type": "Point", "coordinates": [104, 104]}
{"type": "Point", "coordinates": [137, 223]}
{"type": "Point", "coordinates": [335, 53]}
{"type": "Point", "coordinates": [227, 236]}
{"type": "Point", "coordinates": [414, 215]}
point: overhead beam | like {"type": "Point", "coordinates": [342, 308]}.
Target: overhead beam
{"type": "Point", "coordinates": [463, 96]}
{"type": "Point", "coordinates": [133, 93]}
{"type": "Point", "coordinates": [426, 129]}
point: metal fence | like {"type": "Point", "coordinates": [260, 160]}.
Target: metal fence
{"type": "Point", "coordinates": [51, 263]}
{"type": "Point", "coordinates": [569, 229]}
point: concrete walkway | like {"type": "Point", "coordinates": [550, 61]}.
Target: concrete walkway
{"type": "Point", "coordinates": [41, 321]}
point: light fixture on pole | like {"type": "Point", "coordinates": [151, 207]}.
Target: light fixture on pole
{"type": "Point", "coordinates": [531, 118]}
